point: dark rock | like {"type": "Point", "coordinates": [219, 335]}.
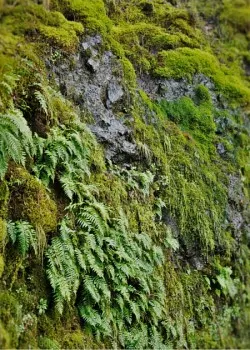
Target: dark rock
{"type": "Point", "coordinates": [94, 83]}
{"type": "Point", "coordinates": [170, 89]}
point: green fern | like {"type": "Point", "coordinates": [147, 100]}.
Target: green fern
{"type": "Point", "coordinates": [15, 140]}
{"type": "Point", "coordinates": [107, 266]}
{"type": "Point", "coordinates": [7, 86]}
{"type": "Point", "coordinates": [22, 234]}
{"type": "Point", "coordinates": [65, 155]}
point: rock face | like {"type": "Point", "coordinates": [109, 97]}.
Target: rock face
{"type": "Point", "coordinates": [170, 89]}
{"type": "Point", "coordinates": [237, 207]}
{"type": "Point", "coordinates": [93, 80]}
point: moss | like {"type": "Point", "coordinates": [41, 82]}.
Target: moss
{"type": "Point", "coordinates": [4, 198]}
{"type": "Point", "coordinates": [52, 26]}
{"type": "Point", "coordinates": [3, 231]}
{"type": "Point", "coordinates": [10, 318]}
{"type": "Point", "coordinates": [185, 62]}
{"type": "Point", "coordinates": [237, 14]}
{"type": "Point", "coordinates": [4, 338]}
{"type": "Point", "coordinates": [189, 116]}
{"type": "Point", "coordinates": [202, 94]}
{"type": "Point", "coordinates": [177, 155]}
{"type": "Point", "coordinates": [1, 265]}
{"type": "Point", "coordinates": [47, 343]}
{"type": "Point", "coordinates": [30, 201]}
{"type": "Point", "coordinates": [93, 15]}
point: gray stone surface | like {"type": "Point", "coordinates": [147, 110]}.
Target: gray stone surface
{"type": "Point", "coordinates": [94, 81]}
{"type": "Point", "coordinates": [170, 89]}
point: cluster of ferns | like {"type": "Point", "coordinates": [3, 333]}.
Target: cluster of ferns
{"type": "Point", "coordinates": [112, 275]}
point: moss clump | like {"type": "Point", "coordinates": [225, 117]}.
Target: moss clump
{"type": "Point", "coordinates": [202, 94]}
{"type": "Point", "coordinates": [191, 117]}
{"type": "Point", "coordinates": [92, 14]}
{"type": "Point", "coordinates": [64, 33]}
{"type": "Point", "coordinates": [186, 62]}
{"type": "Point", "coordinates": [52, 26]}
{"type": "Point", "coordinates": [10, 319]}
{"type": "Point", "coordinates": [30, 201]}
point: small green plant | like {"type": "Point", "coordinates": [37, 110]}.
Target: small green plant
{"type": "Point", "coordinates": [134, 179]}
{"type": "Point", "coordinates": [227, 284]}
{"type": "Point", "coordinates": [42, 306]}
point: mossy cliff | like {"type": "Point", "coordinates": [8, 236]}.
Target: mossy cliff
{"type": "Point", "coordinates": [124, 174]}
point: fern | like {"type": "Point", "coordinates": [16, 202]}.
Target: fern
{"type": "Point", "coordinates": [22, 234]}
{"type": "Point", "coordinates": [7, 86]}
{"type": "Point", "coordinates": [105, 264]}
{"type": "Point", "coordinates": [42, 101]}
{"type": "Point", "coordinates": [15, 139]}
{"type": "Point", "coordinates": [65, 155]}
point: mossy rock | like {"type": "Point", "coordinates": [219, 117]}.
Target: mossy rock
{"type": "Point", "coordinates": [47, 343]}
{"type": "Point", "coordinates": [10, 319]}
{"type": "Point", "coordinates": [4, 197]}
{"type": "Point", "coordinates": [51, 26]}
{"type": "Point", "coordinates": [1, 265]}
{"type": "Point", "coordinates": [2, 233]}
{"type": "Point", "coordinates": [30, 201]}
{"type": "Point", "coordinates": [4, 338]}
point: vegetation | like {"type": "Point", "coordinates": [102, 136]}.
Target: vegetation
{"type": "Point", "coordinates": [151, 252]}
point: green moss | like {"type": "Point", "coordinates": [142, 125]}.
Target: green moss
{"type": "Point", "coordinates": [10, 319]}
{"type": "Point", "coordinates": [47, 343]}
{"type": "Point", "coordinates": [202, 94]}
{"type": "Point", "coordinates": [3, 229]}
{"type": "Point", "coordinates": [52, 26]}
{"type": "Point", "coordinates": [189, 116]}
{"type": "Point", "coordinates": [1, 265]}
{"type": "Point", "coordinates": [237, 13]}
{"type": "Point", "coordinates": [4, 198]}
{"type": "Point", "coordinates": [30, 201]}
{"type": "Point", "coordinates": [92, 14]}
{"type": "Point", "coordinates": [4, 338]}
{"type": "Point", "coordinates": [186, 62]}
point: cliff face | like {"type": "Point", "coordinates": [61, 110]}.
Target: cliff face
{"type": "Point", "coordinates": [124, 174]}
